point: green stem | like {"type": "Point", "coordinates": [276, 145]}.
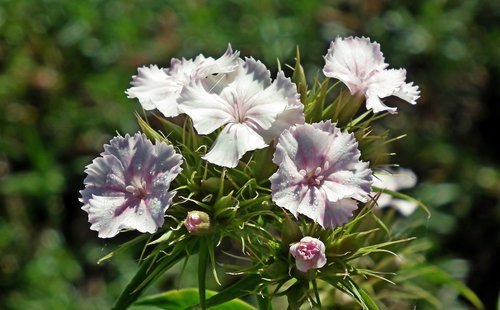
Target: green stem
{"type": "Point", "coordinates": [316, 293]}
{"type": "Point", "coordinates": [202, 271]}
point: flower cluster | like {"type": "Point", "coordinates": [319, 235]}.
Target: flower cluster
{"type": "Point", "coordinates": [249, 159]}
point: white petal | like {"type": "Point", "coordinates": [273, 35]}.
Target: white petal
{"type": "Point", "coordinates": [232, 143]}
{"type": "Point", "coordinates": [352, 61]}
{"type": "Point", "coordinates": [313, 205]}
{"type": "Point", "coordinates": [227, 63]}
{"type": "Point", "coordinates": [395, 179]}
{"type": "Point", "coordinates": [265, 106]}
{"type": "Point", "coordinates": [291, 116]}
{"type": "Point", "coordinates": [286, 187]}
{"type": "Point", "coordinates": [208, 111]}
{"type": "Point", "coordinates": [385, 82]}
{"type": "Point", "coordinates": [251, 78]}
{"type": "Point", "coordinates": [373, 102]}
{"type": "Point", "coordinates": [355, 183]}
{"type": "Point", "coordinates": [287, 146]}
{"type": "Point", "coordinates": [408, 92]}
{"type": "Point", "coordinates": [343, 152]}
{"type": "Point", "coordinates": [338, 213]}
{"type": "Point", "coordinates": [219, 73]}
{"type": "Point", "coordinates": [155, 89]}
{"type": "Point", "coordinates": [327, 126]}
{"type": "Point", "coordinates": [404, 206]}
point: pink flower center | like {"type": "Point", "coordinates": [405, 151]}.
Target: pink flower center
{"type": "Point", "coordinates": [239, 108]}
{"type": "Point", "coordinates": [137, 189]}
{"type": "Point", "coordinates": [315, 177]}
{"type": "Point", "coordinates": [308, 251]}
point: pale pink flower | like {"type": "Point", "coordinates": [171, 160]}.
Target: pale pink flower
{"type": "Point", "coordinates": [394, 180]}
{"type": "Point", "coordinates": [252, 108]}
{"type": "Point", "coordinates": [360, 65]}
{"type": "Point", "coordinates": [197, 222]}
{"type": "Point", "coordinates": [309, 254]}
{"type": "Point", "coordinates": [159, 88]}
{"type": "Point", "coordinates": [127, 187]}
{"type": "Point", "coordinates": [320, 174]}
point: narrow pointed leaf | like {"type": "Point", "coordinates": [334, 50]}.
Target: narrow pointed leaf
{"type": "Point", "coordinates": [184, 299]}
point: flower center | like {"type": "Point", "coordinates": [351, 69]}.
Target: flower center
{"type": "Point", "coordinates": [239, 107]}
{"type": "Point", "coordinates": [315, 177]}
{"type": "Point", "coordinates": [137, 189]}
{"type": "Point", "coordinates": [308, 251]}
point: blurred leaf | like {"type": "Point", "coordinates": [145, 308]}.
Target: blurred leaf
{"type": "Point", "coordinates": [243, 287]}
{"type": "Point", "coordinates": [183, 299]}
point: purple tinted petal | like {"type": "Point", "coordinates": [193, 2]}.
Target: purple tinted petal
{"type": "Point", "coordinates": [319, 165]}
{"type": "Point", "coordinates": [127, 188]}
{"type": "Point", "coordinates": [286, 186]}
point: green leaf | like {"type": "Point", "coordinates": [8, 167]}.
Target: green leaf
{"type": "Point", "coordinates": [147, 129]}
{"type": "Point", "coordinates": [439, 276]}
{"type": "Point", "coordinates": [152, 268]}
{"type": "Point", "coordinates": [184, 299]}
{"type": "Point", "coordinates": [123, 247]}
{"type": "Point", "coordinates": [348, 286]}
{"type": "Point", "coordinates": [243, 287]}
{"type": "Point", "coordinates": [299, 77]}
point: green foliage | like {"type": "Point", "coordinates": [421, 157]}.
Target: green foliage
{"type": "Point", "coordinates": [184, 299]}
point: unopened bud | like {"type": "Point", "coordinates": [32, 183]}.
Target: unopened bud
{"type": "Point", "coordinates": [197, 222]}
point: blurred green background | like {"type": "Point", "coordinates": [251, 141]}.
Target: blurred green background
{"type": "Point", "coordinates": [64, 67]}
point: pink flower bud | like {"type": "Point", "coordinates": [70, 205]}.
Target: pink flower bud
{"type": "Point", "coordinates": [309, 253]}
{"type": "Point", "coordinates": [197, 222]}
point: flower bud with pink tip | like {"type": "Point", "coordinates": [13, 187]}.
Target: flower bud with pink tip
{"type": "Point", "coordinates": [309, 253]}
{"type": "Point", "coordinates": [197, 222]}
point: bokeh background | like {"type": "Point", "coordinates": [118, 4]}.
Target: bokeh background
{"type": "Point", "coordinates": [64, 67]}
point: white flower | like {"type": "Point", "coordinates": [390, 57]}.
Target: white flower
{"type": "Point", "coordinates": [360, 65]}
{"type": "Point", "coordinates": [127, 187]}
{"type": "Point", "coordinates": [320, 174]}
{"type": "Point", "coordinates": [159, 88]}
{"type": "Point", "coordinates": [394, 180]}
{"type": "Point", "coordinates": [253, 110]}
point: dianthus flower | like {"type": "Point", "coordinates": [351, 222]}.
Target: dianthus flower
{"type": "Point", "coordinates": [394, 180]}
{"type": "Point", "coordinates": [159, 88]}
{"type": "Point", "coordinates": [360, 65]}
{"type": "Point", "coordinates": [309, 254]}
{"type": "Point", "coordinates": [127, 187]}
{"type": "Point", "coordinates": [320, 174]}
{"type": "Point", "coordinates": [252, 108]}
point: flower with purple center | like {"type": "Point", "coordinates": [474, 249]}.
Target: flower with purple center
{"type": "Point", "coordinates": [320, 174]}
{"type": "Point", "coordinates": [360, 65]}
{"type": "Point", "coordinates": [309, 254]}
{"type": "Point", "coordinates": [127, 187]}
{"type": "Point", "coordinates": [159, 88]}
{"type": "Point", "coordinates": [252, 108]}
